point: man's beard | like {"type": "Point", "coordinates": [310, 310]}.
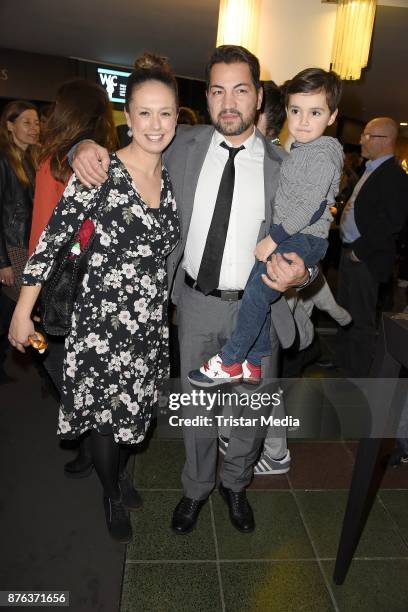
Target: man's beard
{"type": "Point", "coordinates": [233, 129]}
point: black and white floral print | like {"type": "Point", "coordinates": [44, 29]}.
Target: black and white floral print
{"type": "Point", "coordinates": [117, 350]}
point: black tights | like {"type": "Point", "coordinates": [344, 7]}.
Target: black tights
{"type": "Point", "coordinates": [109, 459]}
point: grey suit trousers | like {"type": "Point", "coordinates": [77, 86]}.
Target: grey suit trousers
{"type": "Point", "coordinates": [204, 325]}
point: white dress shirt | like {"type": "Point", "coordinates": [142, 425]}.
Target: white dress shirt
{"type": "Point", "coordinates": [247, 211]}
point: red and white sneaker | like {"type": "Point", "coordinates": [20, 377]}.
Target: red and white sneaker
{"type": "Point", "coordinates": [214, 372]}
{"type": "Point", "coordinates": [251, 373]}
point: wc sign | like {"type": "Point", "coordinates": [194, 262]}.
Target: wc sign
{"type": "Point", "coordinates": [114, 81]}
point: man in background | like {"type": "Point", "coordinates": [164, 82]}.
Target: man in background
{"type": "Point", "coordinates": [371, 221]}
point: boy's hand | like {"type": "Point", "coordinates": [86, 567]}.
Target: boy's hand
{"type": "Point", "coordinates": [264, 248]}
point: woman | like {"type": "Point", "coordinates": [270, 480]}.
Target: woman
{"type": "Point", "coordinates": [81, 110]}
{"type": "Point", "coordinates": [117, 348]}
{"type": "Point", "coordinates": [19, 132]}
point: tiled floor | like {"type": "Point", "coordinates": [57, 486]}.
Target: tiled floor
{"type": "Point", "coordinates": [286, 565]}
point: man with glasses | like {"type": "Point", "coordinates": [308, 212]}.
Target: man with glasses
{"type": "Point", "coordinates": [369, 226]}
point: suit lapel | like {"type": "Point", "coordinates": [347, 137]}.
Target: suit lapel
{"type": "Point", "coordinates": [376, 173]}
{"type": "Point", "coordinates": [195, 155]}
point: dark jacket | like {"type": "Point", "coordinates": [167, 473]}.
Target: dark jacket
{"type": "Point", "coordinates": [16, 207]}
{"type": "Point", "coordinates": [380, 210]}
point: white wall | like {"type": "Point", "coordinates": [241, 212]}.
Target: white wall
{"type": "Point", "coordinates": [294, 34]}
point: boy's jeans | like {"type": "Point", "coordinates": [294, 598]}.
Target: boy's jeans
{"type": "Point", "coordinates": [250, 339]}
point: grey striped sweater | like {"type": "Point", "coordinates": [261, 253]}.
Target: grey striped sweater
{"type": "Point", "coordinates": [309, 181]}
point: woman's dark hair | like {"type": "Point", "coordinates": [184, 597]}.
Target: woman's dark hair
{"type": "Point", "coordinates": [273, 105]}
{"type": "Point", "coordinates": [233, 54]}
{"type": "Point", "coordinates": [316, 80]}
{"type": "Point", "coordinates": [18, 159]}
{"type": "Point", "coordinates": [150, 67]}
{"type": "Point", "coordinates": [82, 110]}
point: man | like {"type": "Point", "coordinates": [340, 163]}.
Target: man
{"type": "Point", "coordinates": [202, 162]}
{"type": "Point", "coordinates": [369, 226]}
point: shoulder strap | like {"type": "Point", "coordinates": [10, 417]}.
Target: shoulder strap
{"type": "Point", "coordinates": [99, 198]}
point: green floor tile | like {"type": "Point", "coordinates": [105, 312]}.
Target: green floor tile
{"type": "Point", "coordinates": [153, 538]}
{"type": "Point", "coordinates": [279, 532]}
{"type": "Point", "coordinates": [171, 588]}
{"type": "Point", "coordinates": [396, 503]}
{"type": "Point", "coordinates": [274, 587]}
{"type": "Point", "coordinates": [372, 586]}
{"type": "Point", "coordinates": [324, 512]}
{"type": "Point", "coordinates": [160, 465]}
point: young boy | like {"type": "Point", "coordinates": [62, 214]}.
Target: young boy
{"type": "Point", "coordinates": [309, 181]}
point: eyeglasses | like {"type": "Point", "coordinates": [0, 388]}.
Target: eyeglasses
{"type": "Point", "coordinates": [368, 136]}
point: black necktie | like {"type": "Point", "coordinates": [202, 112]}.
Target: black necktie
{"type": "Point", "coordinates": [209, 273]}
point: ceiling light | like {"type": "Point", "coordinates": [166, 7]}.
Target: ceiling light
{"type": "Point", "coordinates": [352, 37]}
{"type": "Point", "coordinates": [403, 123]}
{"type": "Point", "coordinates": [238, 23]}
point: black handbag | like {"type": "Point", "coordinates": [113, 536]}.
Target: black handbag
{"type": "Point", "coordinates": [60, 290]}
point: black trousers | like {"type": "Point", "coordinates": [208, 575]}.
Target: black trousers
{"type": "Point", "coordinates": [357, 291]}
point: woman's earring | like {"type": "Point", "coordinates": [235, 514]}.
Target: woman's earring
{"type": "Point", "coordinates": [130, 133]}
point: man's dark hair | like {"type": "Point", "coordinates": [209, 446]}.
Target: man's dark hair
{"type": "Point", "coordinates": [316, 80]}
{"type": "Point", "coordinates": [233, 54]}
{"type": "Point", "coordinates": [274, 108]}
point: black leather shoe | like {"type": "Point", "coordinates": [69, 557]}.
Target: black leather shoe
{"type": "Point", "coordinates": [240, 511]}
{"type": "Point", "coordinates": [117, 520]}
{"type": "Point", "coordinates": [185, 515]}
{"type": "Point", "coordinates": [326, 364]}
{"type": "Point", "coordinates": [80, 467]}
{"type": "Point", "coordinates": [130, 497]}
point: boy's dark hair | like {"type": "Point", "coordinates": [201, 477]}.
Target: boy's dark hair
{"type": "Point", "coordinates": [274, 108]}
{"type": "Point", "coordinates": [233, 54]}
{"type": "Point", "coordinates": [316, 80]}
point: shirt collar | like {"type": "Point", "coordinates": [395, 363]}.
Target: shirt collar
{"type": "Point", "coordinates": [253, 144]}
{"type": "Point", "coordinates": [373, 164]}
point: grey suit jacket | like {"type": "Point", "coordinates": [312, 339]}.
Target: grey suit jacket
{"type": "Point", "coordinates": [184, 160]}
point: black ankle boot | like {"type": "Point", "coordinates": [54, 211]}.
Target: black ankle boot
{"type": "Point", "coordinates": [117, 520]}
{"type": "Point", "coordinates": [130, 497]}
{"type": "Point", "coordinates": [82, 465]}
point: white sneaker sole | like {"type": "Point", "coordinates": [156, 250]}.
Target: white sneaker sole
{"type": "Point", "coordinates": [271, 472]}
{"type": "Point", "coordinates": [214, 383]}
{"type": "Point", "coordinates": [265, 468]}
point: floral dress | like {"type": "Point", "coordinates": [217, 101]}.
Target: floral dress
{"type": "Point", "coordinates": [117, 351]}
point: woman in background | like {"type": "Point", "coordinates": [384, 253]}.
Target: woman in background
{"type": "Point", "coordinates": [82, 110]}
{"type": "Point", "coordinates": [19, 133]}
